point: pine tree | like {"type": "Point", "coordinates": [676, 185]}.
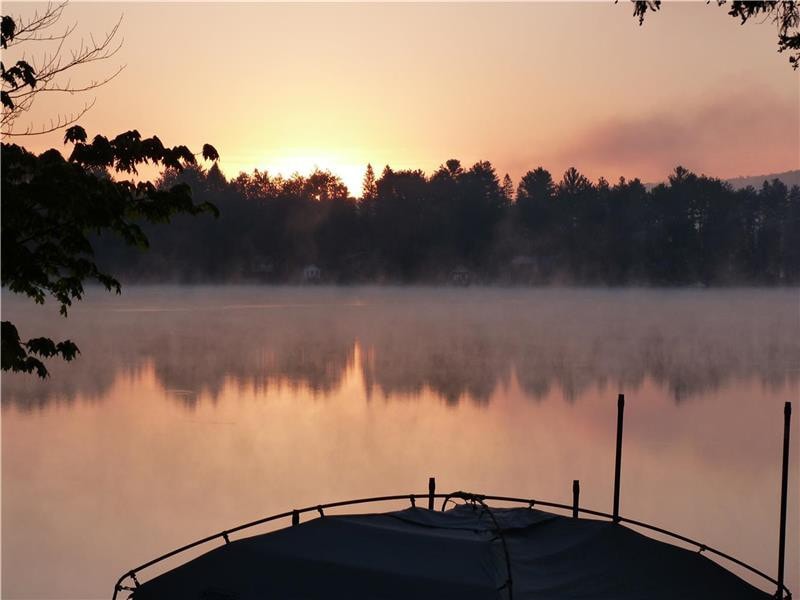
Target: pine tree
{"type": "Point", "coordinates": [508, 188]}
{"type": "Point", "coordinates": [369, 190]}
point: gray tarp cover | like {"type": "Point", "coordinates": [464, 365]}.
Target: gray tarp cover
{"type": "Point", "coordinates": [417, 553]}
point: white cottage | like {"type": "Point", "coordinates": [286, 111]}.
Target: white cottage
{"type": "Point", "coordinates": [312, 274]}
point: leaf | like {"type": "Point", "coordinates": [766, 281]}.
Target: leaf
{"type": "Point", "coordinates": [76, 133]}
{"type": "Point", "coordinates": [27, 73]}
{"type": "Point", "coordinates": [18, 356]}
{"type": "Point", "coordinates": [210, 153]}
{"type": "Point", "coordinates": [7, 29]}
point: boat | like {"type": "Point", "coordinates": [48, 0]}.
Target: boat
{"type": "Point", "coordinates": [474, 546]}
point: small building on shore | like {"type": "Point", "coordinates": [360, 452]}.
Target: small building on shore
{"type": "Point", "coordinates": [312, 274]}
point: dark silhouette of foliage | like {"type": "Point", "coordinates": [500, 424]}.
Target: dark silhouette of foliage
{"type": "Point", "coordinates": [369, 190]}
{"type": "Point", "coordinates": [507, 187]}
{"type": "Point", "coordinates": [52, 207]}
{"type": "Point", "coordinates": [690, 230]}
{"type": "Point", "coordinates": [784, 13]}
{"type": "Point", "coordinates": [534, 196]}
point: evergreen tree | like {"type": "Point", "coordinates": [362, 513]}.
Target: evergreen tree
{"type": "Point", "coordinates": [369, 190]}
{"type": "Point", "coordinates": [508, 188]}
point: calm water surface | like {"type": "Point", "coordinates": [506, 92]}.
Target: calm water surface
{"type": "Point", "coordinates": [193, 409]}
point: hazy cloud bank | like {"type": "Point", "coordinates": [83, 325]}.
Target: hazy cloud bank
{"type": "Point", "coordinates": [738, 134]}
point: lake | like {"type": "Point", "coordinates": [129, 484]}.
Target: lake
{"type": "Point", "coordinates": [194, 409]}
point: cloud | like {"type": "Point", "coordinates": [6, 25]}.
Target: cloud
{"type": "Point", "coordinates": [735, 134]}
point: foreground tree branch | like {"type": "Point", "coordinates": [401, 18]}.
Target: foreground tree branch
{"type": "Point", "coordinates": [52, 205]}
{"type": "Point", "coordinates": [26, 79]}
{"type": "Point", "coordinates": [785, 14]}
{"type": "Point", "coordinates": [51, 208]}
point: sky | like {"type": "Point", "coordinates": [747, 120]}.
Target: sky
{"type": "Point", "coordinates": [289, 87]}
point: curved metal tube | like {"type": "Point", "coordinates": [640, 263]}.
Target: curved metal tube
{"type": "Point", "coordinates": [481, 498]}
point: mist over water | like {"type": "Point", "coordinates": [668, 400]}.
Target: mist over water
{"type": "Point", "coordinates": [456, 345]}
{"type": "Point", "coordinates": [193, 409]}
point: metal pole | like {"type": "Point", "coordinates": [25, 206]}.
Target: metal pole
{"type": "Point", "coordinates": [618, 460]}
{"type": "Point", "coordinates": [576, 494]}
{"type": "Point", "coordinates": [431, 491]}
{"type": "Point", "coordinates": [787, 417]}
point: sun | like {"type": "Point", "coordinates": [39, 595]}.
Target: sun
{"type": "Point", "coordinates": [350, 172]}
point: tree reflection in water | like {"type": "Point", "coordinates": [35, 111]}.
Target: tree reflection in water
{"type": "Point", "coordinates": [457, 344]}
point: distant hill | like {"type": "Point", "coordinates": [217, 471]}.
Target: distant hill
{"type": "Point", "coordinates": [790, 178]}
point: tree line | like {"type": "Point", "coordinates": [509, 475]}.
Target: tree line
{"type": "Point", "coordinates": [411, 227]}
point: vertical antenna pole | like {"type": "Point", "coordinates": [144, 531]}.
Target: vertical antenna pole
{"type": "Point", "coordinates": [431, 491]}
{"type": "Point", "coordinates": [787, 417]}
{"type": "Point", "coordinates": [618, 460]}
{"type": "Point", "coordinates": [576, 495]}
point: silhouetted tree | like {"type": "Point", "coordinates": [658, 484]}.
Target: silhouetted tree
{"type": "Point", "coordinates": [480, 208]}
{"type": "Point", "coordinates": [626, 233]}
{"type": "Point", "coordinates": [534, 196]}
{"type": "Point", "coordinates": [692, 229]}
{"type": "Point", "coordinates": [369, 190]}
{"type": "Point", "coordinates": [401, 219]}
{"type": "Point", "coordinates": [323, 185]}
{"type": "Point", "coordinates": [573, 183]}
{"type": "Point", "coordinates": [508, 189]}
{"type": "Point", "coordinates": [215, 180]}
{"type": "Point", "coordinates": [52, 205]}
{"type": "Point", "coordinates": [790, 234]}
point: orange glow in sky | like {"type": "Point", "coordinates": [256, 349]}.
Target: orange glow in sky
{"type": "Point", "coordinates": [287, 87]}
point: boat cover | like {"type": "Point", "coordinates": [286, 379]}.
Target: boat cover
{"type": "Point", "coordinates": [460, 553]}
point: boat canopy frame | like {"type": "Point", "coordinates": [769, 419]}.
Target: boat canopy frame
{"type": "Point", "coordinates": [782, 592]}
